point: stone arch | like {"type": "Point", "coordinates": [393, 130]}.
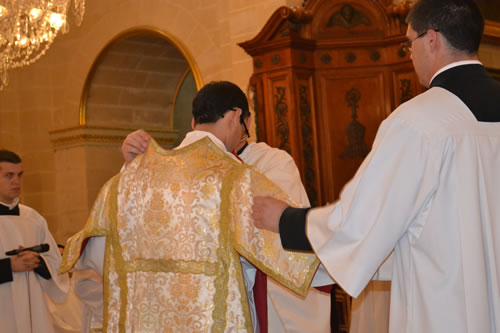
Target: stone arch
{"type": "Point", "coordinates": [170, 18]}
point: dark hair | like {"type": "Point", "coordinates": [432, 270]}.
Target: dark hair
{"type": "Point", "coordinates": [459, 21]}
{"type": "Point", "coordinates": [10, 157]}
{"type": "Point", "coordinates": [215, 99]}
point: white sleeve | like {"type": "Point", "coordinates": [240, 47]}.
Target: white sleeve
{"type": "Point", "coordinates": [93, 256]}
{"type": "Point", "coordinates": [286, 175]}
{"type": "Point", "coordinates": [58, 285]}
{"type": "Point", "coordinates": [278, 166]}
{"type": "Point", "coordinates": [397, 179]}
{"type": "Point", "coordinates": [384, 272]}
{"type": "Point", "coordinates": [249, 272]}
{"type": "Point", "coordinates": [322, 278]}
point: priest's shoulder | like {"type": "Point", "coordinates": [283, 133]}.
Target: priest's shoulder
{"type": "Point", "coordinates": [28, 212]}
{"type": "Point", "coordinates": [434, 109]}
{"type": "Point", "coordinates": [263, 150]}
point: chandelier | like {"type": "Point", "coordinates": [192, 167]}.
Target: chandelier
{"type": "Point", "coordinates": [28, 28]}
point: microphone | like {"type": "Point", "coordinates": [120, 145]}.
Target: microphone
{"type": "Point", "coordinates": [37, 248]}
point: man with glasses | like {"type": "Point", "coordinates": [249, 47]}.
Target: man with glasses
{"type": "Point", "coordinates": [427, 192]}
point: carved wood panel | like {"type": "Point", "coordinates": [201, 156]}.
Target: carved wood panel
{"type": "Point", "coordinates": [325, 76]}
{"type": "Point", "coordinates": [406, 85]}
{"type": "Point", "coordinates": [355, 104]}
{"type": "Point", "coordinates": [306, 136]}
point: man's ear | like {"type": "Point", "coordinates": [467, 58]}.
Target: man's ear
{"type": "Point", "coordinates": [434, 39]}
{"type": "Point", "coordinates": [193, 123]}
{"type": "Point", "coordinates": [248, 121]}
{"type": "Point", "coordinates": [237, 115]}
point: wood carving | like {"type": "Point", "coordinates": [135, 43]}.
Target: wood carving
{"type": "Point", "coordinates": [405, 88]}
{"type": "Point", "coordinates": [307, 143]}
{"type": "Point", "coordinates": [281, 110]}
{"type": "Point", "coordinates": [355, 130]}
{"type": "Point", "coordinates": [348, 17]}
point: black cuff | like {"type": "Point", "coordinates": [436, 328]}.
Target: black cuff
{"type": "Point", "coordinates": [293, 229]}
{"type": "Point", "coordinates": [42, 270]}
{"type": "Point", "coordinates": [5, 271]}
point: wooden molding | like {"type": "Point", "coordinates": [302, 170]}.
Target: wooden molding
{"type": "Point", "coordinates": [282, 30]}
{"type": "Point", "coordinates": [401, 9]}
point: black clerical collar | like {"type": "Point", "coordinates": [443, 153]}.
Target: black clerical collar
{"type": "Point", "coordinates": [475, 88]}
{"type": "Point", "coordinates": [444, 78]}
{"type": "Point", "coordinates": [4, 210]}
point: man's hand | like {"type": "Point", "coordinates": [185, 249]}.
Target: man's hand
{"type": "Point", "coordinates": [266, 213]}
{"type": "Point", "coordinates": [134, 144]}
{"type": "Point", "coordinates": [25, 261]}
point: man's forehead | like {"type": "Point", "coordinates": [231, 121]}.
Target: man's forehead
{"type": "Point", "coordinates": [11, 167]}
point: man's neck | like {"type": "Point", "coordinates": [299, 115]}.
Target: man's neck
{"type": "Point", "coordinates": [215, 129]}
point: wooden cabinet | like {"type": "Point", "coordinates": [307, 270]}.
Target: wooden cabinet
{"type": "Point", "coordinates": [325, 76]}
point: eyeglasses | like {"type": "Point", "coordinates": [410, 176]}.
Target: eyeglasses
{"type": "Point", "coordinates": [242, 121]}
{"type": "Point", "coordinates": [246, 129]}
{"type": "Point", "coordinates": [408, 44]}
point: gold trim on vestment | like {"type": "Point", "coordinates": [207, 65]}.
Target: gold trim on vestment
{"type": "Point", "coordinates": [106, 287]}
{"type": "Point", "coordinates": [73, 248]}
{"type": "Point", "coordinates": [116, 253]}
{"type": "Point", "coordinates": [171, 266]}
{"type": "Point", "coordinates": [226, 240]}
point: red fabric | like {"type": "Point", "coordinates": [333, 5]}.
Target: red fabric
{"type": "Point", "coordinates": [326, 289]}
{"type": "Point", "coordinates": [84, 245]}
{"type": "Point", "coordinates": [260, 298]}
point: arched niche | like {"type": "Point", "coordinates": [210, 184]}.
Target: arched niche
{"type": "Point", "coordinates": [141, 79]}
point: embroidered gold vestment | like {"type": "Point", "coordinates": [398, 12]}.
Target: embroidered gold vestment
{"type": "Point", "coordinates": [175, 224]}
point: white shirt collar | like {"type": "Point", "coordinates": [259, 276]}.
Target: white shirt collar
{"type": "Point", "coordinates": [455, 64]}
{"type": "Point", "coordinates": [11, 205]}
{"type": "Point", "coordinates": [194, 136]}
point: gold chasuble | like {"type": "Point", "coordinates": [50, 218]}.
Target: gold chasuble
{"type": "Point", "coordinates": [175, 224]}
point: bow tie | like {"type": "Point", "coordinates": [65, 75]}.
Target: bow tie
{"type": "Point", "coordinates": [4, 210]}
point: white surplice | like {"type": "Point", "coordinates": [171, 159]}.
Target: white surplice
{"type": "Point", "coordinates": [430, 190]}
{"type": "Point", "coordinates": [88, 287]}
{"type": "Point", "coordinates": [288, 312]}
{"type": "Point", "coordinates": [66, 316]}
{"type": "Point", "coordinates": [23, 307]}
